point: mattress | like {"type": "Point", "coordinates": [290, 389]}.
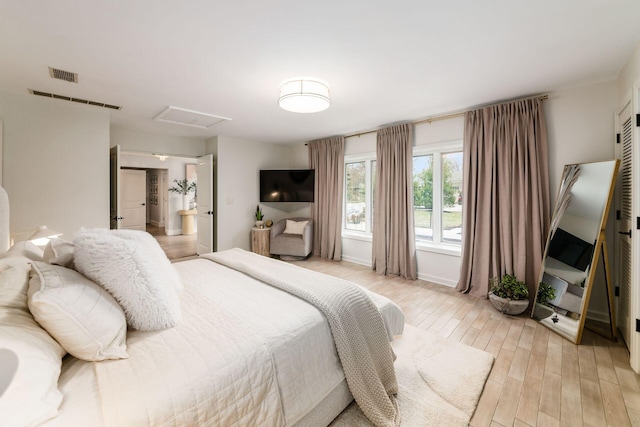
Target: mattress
{"type": "Point", "coordinates": [219, 306]}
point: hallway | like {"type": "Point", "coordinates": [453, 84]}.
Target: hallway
{"type": "Point", "coordinates": [174, 246]}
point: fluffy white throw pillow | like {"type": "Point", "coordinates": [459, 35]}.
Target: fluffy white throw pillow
{"type": "Point", "coordinates": [137, 277]}
{"type": "Point", "coordinates": [80, 315]}
{"type": "Point", "coordinates": [155, 252]}
{"type": "Point", "coordinates": [295, 227]}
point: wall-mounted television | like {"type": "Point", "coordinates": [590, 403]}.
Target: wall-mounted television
{"type": "Point", "coordinates": [291, 185]}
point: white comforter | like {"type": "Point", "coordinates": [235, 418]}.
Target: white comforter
{"type": "Point", "coordinates": [244, 354]}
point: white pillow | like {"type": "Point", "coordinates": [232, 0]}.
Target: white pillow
{"type": "Point", "coordinates": [136, 277]}
{"type": "Point", "coordinates": [32, 397]}
{"type": "Point", "coordinates": [295, 227]}
{"type": "Point", "coordinates": [80, 315]}
{"type": "Point", "coordinates": [59, 252]}
{"type": "Point", "coordinates": [14, 282]}
{"type": "Point", "coordinates": [24, 249]}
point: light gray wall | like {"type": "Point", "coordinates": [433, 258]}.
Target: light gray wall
{"type": "Point", "coordinates": [629, 75]}
{"type": "Point", "coordinates": [580, 127]}
{"type": "Point", "coordinates": [55, 164]}
{"type": "Point", "coordinates": [238, 163]}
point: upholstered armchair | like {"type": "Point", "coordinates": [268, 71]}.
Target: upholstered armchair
{"type": "Point", "coordinates": [292, 240]}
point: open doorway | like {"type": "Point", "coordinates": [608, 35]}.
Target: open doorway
{"type": "Point", "coordinates": [160, 213]}
{"type": "Point", "coordinates": [175, 246]}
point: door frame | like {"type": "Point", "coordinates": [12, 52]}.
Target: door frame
{"type": "Point", "coordinates": [634, 346]}
{"type": "Point", "coordinates": [632, 97]}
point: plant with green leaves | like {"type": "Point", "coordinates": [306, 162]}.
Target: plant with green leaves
{"type": "Point", "coordinates": [183, 186]}
{"type": "Point", "coordinates": [509, 287]}
{"type": "Point", "coordinates": [258, 213]}
{"type": "Point", "coordinates": [546, 293]}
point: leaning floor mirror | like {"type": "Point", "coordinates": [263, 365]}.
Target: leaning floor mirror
{"type": "Point", "coordinates": [576, 241]}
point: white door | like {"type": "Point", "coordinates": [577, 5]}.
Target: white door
{"type": "Point", "coordinates": [205, 215]}
{"type": "Point", "coordinates": [162, 196]}
{"type": "Point", "coordinates": [623, 263]}
{"type": "Point", "coordinates": [114, 202]}
{"type": "Point", "coordinates": [133, 191]}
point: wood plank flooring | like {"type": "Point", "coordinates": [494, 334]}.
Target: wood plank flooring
{"type": "Point", "coordinates": [538, 378]}
{"type": "Point", "coordinates": [176, 247]}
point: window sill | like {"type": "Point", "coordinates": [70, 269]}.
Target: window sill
{"type": "Point", "coordinates": [354, 235]}
{"type": "Point", "coordinates": [440, 248]}
{"type": "Point", "coordinates": [421, 245]}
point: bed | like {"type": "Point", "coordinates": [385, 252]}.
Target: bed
{"type": "Point", "coordinates": [243, 353]}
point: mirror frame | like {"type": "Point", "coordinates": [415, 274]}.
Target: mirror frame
{"type": "Point", "coordinates": [600, 249]}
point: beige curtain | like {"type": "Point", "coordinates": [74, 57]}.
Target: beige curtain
{"type": "Point", "coordinates": [506, 195]}
{"type": "Point", "coordinates": [326, 156]}
{"type": "Point", "coordinates": [394, 245]}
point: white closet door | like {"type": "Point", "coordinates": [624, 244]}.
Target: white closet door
{"type": "Point", "coordinates": [624, 225]}
{"type": "Point", "coordinates": [133, 199]}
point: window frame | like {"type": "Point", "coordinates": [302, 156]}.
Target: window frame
{"type": "Point", "coordinates": [367, 233]}
{"type": "Point", "coordinates": [437, 151]}
{"type": "Point", "coordinates": [447, 248]}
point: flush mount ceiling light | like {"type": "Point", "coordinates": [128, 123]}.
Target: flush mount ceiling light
{"type": "Point", "coordinates": [304, 95]}
{"type": "Point", "coordinates": [161, 156]}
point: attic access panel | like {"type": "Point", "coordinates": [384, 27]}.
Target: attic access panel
{"type": "Point", "coordinates": [182, 116]}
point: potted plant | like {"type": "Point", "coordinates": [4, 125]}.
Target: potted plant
{"type": "Point", "coordinates": [259, 216]}
{"type": "Point", "coordinates": [184, 187]}
{"type": "Point", "coordinates": [508, 294]}
{"type": "Point", "coordinates": [546, 293]}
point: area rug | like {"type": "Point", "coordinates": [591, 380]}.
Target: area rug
{"type": "Point", "coordinates": [439, 381]}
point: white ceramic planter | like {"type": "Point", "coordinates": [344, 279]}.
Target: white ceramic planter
{"type": "Point", "coordinates": [507, 306]}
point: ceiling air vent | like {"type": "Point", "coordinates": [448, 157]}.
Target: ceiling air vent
{"type": "Point", "coordinates": [67, 76]}
{"type": "Point", "coordinates": [78, 100]}
{"type": "Point", "coordinates": [182, 116]}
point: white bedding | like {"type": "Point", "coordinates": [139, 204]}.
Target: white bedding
{"type": "Point", "coordinates": [175, 377]}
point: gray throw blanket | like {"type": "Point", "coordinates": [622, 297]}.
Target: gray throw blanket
{"type": "Point", "coordinates": [356, 325]}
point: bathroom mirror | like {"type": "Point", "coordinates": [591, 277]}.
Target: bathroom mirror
{"type": "Point", "coordinates": [576, 241]}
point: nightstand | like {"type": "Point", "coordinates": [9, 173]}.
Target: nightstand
{"type": "Point", "coordinates": [260, 241]}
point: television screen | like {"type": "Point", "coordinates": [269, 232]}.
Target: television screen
{"type": "Point", "coordinates": [287, 185]}
{"type": "Point", "coordinates": [571, 250]}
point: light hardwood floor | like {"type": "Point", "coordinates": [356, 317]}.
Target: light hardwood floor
{"type": "Point", "coordinates": [176, 247]}
{"type": "Point", "coordinates": [538, 378]}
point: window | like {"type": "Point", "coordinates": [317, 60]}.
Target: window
{"type": "Point", "coordinates": [359, 186]}
{"type": "Point", "coordinates": [437, 194]}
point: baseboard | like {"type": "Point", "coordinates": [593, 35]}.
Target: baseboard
{"type": "Point", "coordinates": [174, 232]}
{"type": "Point", "coordinates": [421, 276]}
{"type": "Point", "coordinates": [361, 261]}
{"type": "Point", "coordinates": [599, 316]}
{"type": "Point", "coordinates": [155, 223]}
{"type": "Point", "coordinates": [437, 280]}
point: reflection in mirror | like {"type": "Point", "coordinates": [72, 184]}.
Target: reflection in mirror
{"type": "Point", "coordinates": [575, 240]}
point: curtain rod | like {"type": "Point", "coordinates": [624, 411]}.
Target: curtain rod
{"type": "Point", "coordinates": [453, 115]}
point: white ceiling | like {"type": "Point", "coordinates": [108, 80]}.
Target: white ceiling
{"type": "Point", "coordinates": [385, 61]}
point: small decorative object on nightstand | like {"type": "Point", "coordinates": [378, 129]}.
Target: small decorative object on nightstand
{"type": "Point", "coordinates": [259, 217]}
{"type": "Point", "coordinates": [260, 241]}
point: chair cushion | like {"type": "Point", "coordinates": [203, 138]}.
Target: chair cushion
{"type": "Point", "coordinates": [295, 227]}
